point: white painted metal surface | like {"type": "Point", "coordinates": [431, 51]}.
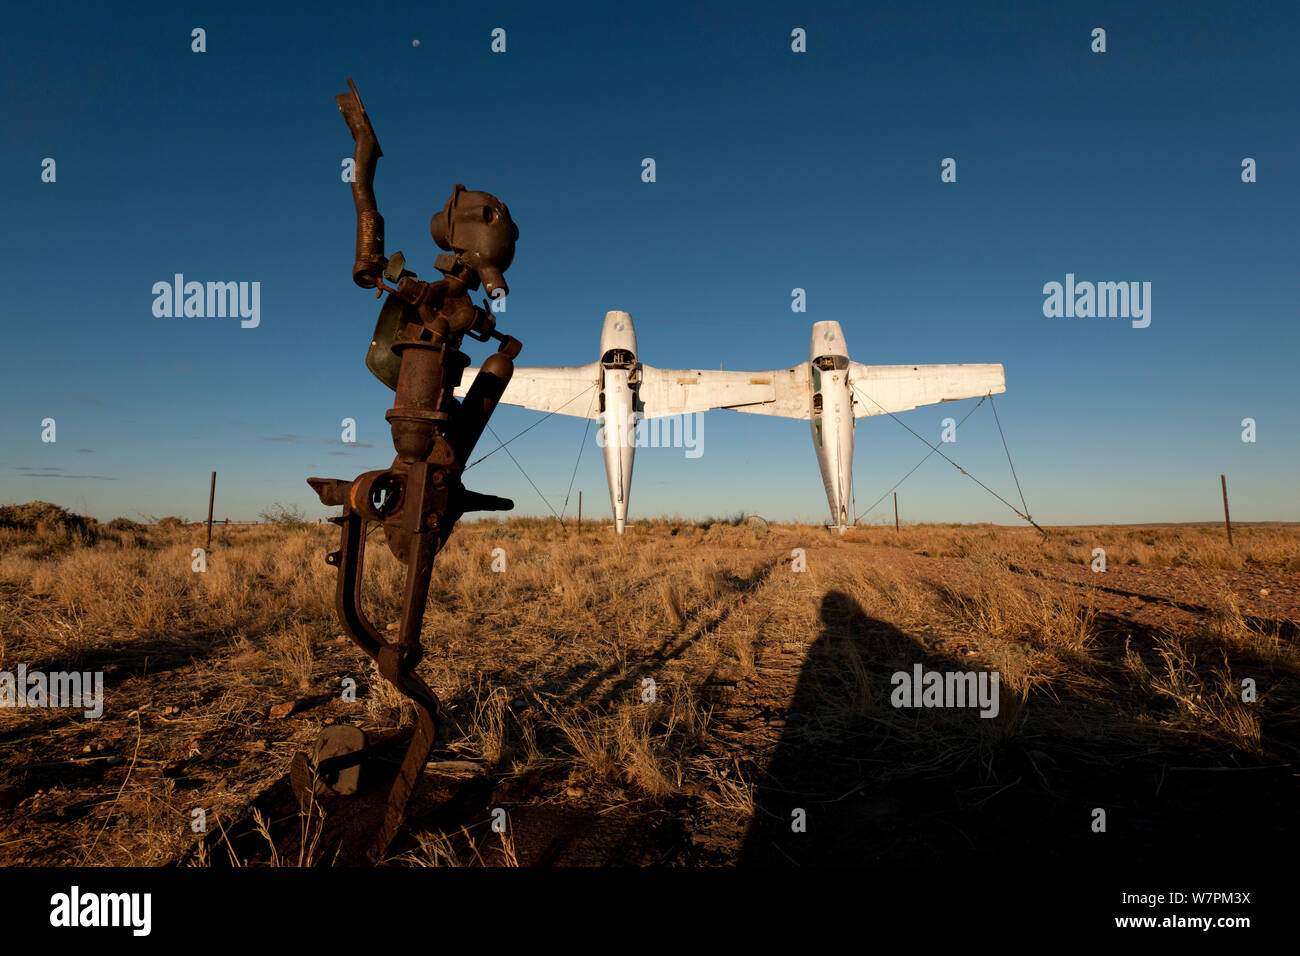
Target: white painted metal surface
{"type": "Point", "coordinates": [833, 392]}
{"type": "Point", "coordinates": [626, 391]}
{"type": "Point", "coordinates": [829, 390]}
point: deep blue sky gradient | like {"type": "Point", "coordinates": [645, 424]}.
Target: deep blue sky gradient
{"type": "Point", "coordinates": [775, 170]}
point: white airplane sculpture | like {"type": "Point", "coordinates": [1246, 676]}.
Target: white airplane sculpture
{"type": "Point", "coordinates": [828, 390]}
{"type": "Point", "coordinates": [622, 390]}
{"type": "Point", "coordinates": [833, 393]}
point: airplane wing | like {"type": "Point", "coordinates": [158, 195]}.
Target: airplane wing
{"type": "Point", "coordinates": [567, 390]}
{"type": "Point", "coordinates": [878, 389]}
{"type": "Point", "coordinates": [666, 391]}
{"type": "Point", "coordinates": [791, 393]}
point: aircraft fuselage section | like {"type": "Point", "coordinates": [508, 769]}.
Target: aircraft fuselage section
{"type": "Point", "coordinates": [619, 377]}
{"type": "Point", "coordinates": [618, 435]}
{"type": "Point", "coordinates": [831, 417]}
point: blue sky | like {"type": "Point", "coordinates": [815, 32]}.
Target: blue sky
{"type": "Point", "coordinates": [775, 170]}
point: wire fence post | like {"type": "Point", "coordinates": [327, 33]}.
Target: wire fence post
{"type": "Point", "coordinates": [1227, 522]}
{"type": "Point", "coordinates": [579, 512]}
{"type": "Point", "coordinates": [212, 494]}
{"type": "Point", "coordinates": [895, 512]}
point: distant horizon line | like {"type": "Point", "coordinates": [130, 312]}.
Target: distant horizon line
{"type": "Point", "coordinates": [719, 519]}
{"type": "Point", "coordinates": [722, 520]}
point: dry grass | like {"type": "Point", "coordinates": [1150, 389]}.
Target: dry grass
{"type": "Point", "coordinates": [1263, 547]}
{"type": "Point", "coordinates": [292, 649]}
{"type": "Point", "coordinates": [647, 745]}
{"type": "Point", "coordinates": [460, 849]}
{"type": "Point", "coordinates": [541, 667]}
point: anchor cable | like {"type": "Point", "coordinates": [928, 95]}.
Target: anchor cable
{"type": "Point", "coordinates": [529, 428]}
{"type": "Point", "coordinates": [935, 449]}
{"type": "Point", "coordinates": [994, 405]}
{"type": "Point", "coordinates": [522, 472]}
{"type": "Point", "coordinates": [916, 466]}
{"type": "Point", "coordinates": [585, 428]}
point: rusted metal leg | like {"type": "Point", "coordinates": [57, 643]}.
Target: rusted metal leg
{"type": "Point", "coordinates": [395, 662]}
{"type": "Point", "coordinates": [408, 777]}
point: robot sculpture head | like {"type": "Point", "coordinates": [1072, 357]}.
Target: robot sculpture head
{"type": "Point", "coordinates": [477, 227]}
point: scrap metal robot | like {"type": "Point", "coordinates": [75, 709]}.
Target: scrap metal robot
{"type": "Point", "coordinates": [418, 499]}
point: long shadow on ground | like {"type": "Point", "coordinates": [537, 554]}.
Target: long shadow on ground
{"type": "Point", "coordinates": [897, 787]}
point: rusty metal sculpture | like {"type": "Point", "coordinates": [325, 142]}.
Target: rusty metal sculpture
{"type": "Point", "coordinates": [419, 498]}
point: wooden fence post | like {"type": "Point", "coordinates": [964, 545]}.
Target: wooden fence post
{"type": "Point", "coordinates": [1223, 481]}
{"type": "Point", "coordinates": [212, 494]}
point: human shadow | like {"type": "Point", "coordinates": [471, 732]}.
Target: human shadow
{"type": "Point", "coordinates": [856, 781]}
